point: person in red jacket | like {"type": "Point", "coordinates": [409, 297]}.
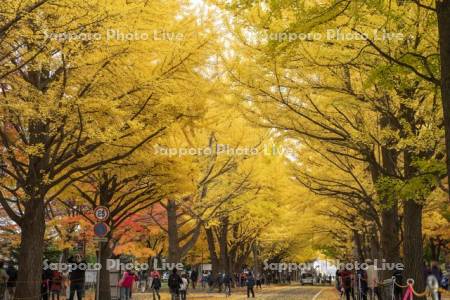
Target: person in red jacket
{"type": "Point", "coordinates": [56, 284]}
{"type": "Point", "coordinates": [126, 283]}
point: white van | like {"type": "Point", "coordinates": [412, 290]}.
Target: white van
{"type": "Point", "coordinates": [307, 278]}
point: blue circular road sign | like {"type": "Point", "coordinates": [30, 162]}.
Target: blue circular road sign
{"type": "Point", "coordinates": [101, 229]}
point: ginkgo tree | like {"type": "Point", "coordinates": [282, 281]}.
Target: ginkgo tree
{"type": "Point", "coordinates": [124, 195]}
{"type": "Point", "coordinates": [72, 105]}
{"type": "Point", "coordinates": [334, 91]}
{"type": "Point", "coordinates": [210, 154]}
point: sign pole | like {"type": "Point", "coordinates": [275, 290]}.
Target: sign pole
{"type": "Point", "coordinates": [97, 292]}
{"type": "Point", "coordinates": [101, 213]}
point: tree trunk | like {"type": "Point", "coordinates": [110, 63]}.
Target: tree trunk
{"type": "Point", "coordinates": [31, 251]}
{"type": "Point", "coordinates": [374, 244]}
{"type": "Point", "coordinates": [212, 251]}
{"type": "Point", "coordinates": [172, 230]}
{"type": "Point", "coordinates": [413, 245]}
{"type": "Point", "coordinates": [105, 287]}
{"type": "Point", "coordinates": [390, 228]}
{"type": "Point", "coordinates": [443, 15]}
{"type": "Point", "coordinates": [389, 215]}
{"type": "Point", "coordinates": [233, 251]}
{"type": "Point", "coordinates": [243, 254]}
{"type": "Point", "coordinates": [179, 244]}
{"type": "Point", "coordinates": [390, 238]}
{"type": "Point", "coordinates": [256, 261]}
{"type": "Point", "coordinates": [223, 245]}
{"type": "Point", "coordinates": [390, 234]}
{"type": "Point", "coordinates": [358, 248]}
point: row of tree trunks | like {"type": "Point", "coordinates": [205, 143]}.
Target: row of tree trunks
{"type": "Point", "coordinates": [226, 257]}
{"type": "Point", "coordinates": [220, 260]}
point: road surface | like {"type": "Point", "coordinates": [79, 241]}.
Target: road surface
{"type": "Point", "coordinates": [292, 292]}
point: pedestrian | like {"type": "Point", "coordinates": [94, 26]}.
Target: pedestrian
{"type": "Point", "coordinates": [219, 281]}
{"type": "Point", "coordinates": [227, 281]}
{"type": "Point", "coordinates": [174, 284]}
{"type": "Point", "coordinates": [398, 277]}
{"type": "Point", "coordinates": [372, 280]}
{"type": "Point", "coordinates": [3, 280]}
{"type": "Point", "coordinates": [426, 270]}
{"type": "Point", "coordinates": [437, 273]}
{"type": "Point", "coordinates": [242, 279]}
{"type": "Point", "coordinates": [194, 278]}
{"type": "Point", "coordinates": [156, 285]}
{"type": "Point", "coordinates": [77, 277]}
{"type": "Point", "coordinates": [45, 283]}
{"type": "Point", "coordinates": [347, 283]}
{"type": "Point", "coordinates": [338, 282]}
{"type": "Point", "coordinates": [135, 279]}
{"type": "Point", "coordinates": [12, 280]}
{"type": "Point", "coordinates": [151, 276]}
{"type": "Point", "coordinates": [258, 281]}
{"type": "Point", "coordinates": [204, 279]}
{"type": "Point", "coordinates": [210, 281]}
{"type": "Point", "coordinates": [444, 282]}
{"type": "Point", "coordinates": [142, 280]}
{"type": "Point", "coordinates": [125, 284]}
{"type": "Point", "coordinates": [56, 284]}
{"type": "Point", "coordinates": [183, 287]}
{"type": "Point", "coordinates": [362, 284]}
{"type": "Point", "coordinates": [250, 284]}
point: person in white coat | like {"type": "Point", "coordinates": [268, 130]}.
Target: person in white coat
{"type": "Point", "coordinates": [183, 287]}
{"type": "Point", "coordinates": [372, 279]}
